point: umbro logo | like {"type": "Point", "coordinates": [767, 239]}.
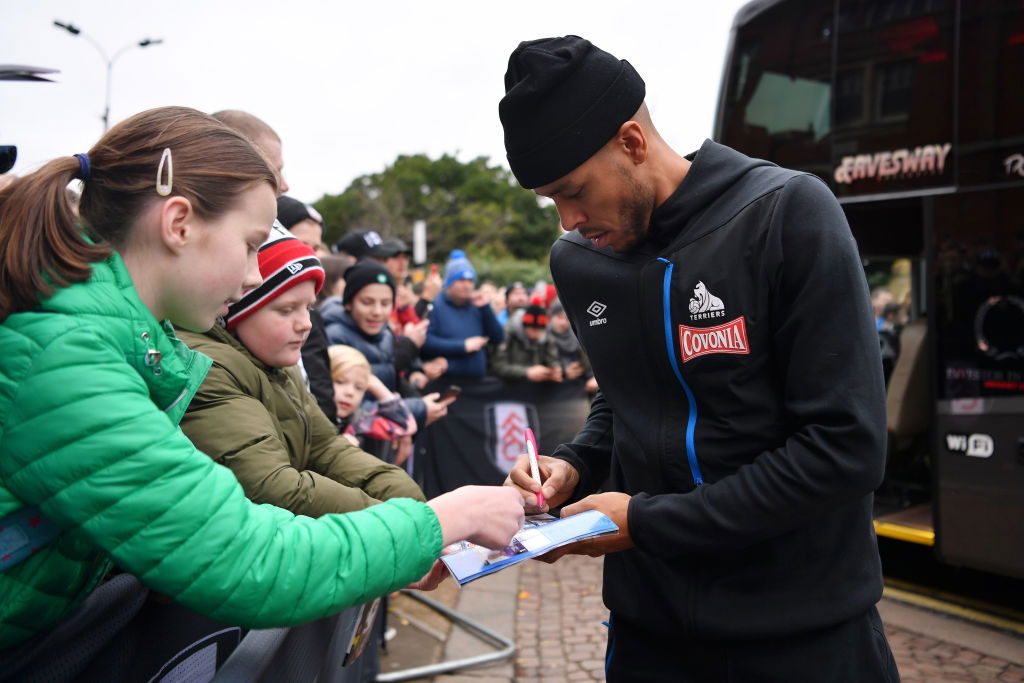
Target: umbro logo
{"type": "Point", "coordinates": [595, 309]}
{"type": "Point", "coordinates": [705, 305]}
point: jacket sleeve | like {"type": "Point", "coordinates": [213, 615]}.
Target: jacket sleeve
{"type": "Point", "coordinates": [102, 461]}
{"type": "Point", "coordinates": [337, 459]}
{"type": "Point", "coordinates": [502, 363]}
{"type": "Point", "coordinates": [237, 430]}
{"type": "Point", "coordinates": [827, 359]}
{"type": "Point", "coordinates": [550, 354]}
{"type": "Point", "coordinates": [590, 451]}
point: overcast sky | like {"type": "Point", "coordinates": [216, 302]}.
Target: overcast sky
{"type": "Point", "coordinates": [348, 85]}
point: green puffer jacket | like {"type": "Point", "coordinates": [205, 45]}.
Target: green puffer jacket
{"type": "Point", "coordinates": [264, 425]}
{"type": "Point", "coordinates": [89, 433]}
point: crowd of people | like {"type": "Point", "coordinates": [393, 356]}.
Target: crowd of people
{"type": "Point", "coordinates": [309, 387]}
{"type": "Point", "coordinates": [197, 396]}
{"type": "Point", "coordinates": [155, 326]}
{"type": "Point", "coordinates": [445, 329]}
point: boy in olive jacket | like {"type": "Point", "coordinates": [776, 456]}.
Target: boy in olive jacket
{"type": "Point", "coordinates": [253, 412]}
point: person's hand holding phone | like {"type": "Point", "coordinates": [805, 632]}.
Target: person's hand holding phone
{"type": "Point", "coordinates": [437, 407]}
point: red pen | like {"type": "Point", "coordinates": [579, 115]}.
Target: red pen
{"type": "Point", "coordinates": [531, 450]}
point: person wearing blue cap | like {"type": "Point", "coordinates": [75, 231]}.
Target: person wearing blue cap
{"type": "Point", "coordinates": [462, 322]}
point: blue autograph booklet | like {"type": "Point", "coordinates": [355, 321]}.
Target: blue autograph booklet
{"type": "Point", "coordinates": [540, 533]}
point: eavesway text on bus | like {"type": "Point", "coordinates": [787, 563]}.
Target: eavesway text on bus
{"type": "Point", "coordinates": [892, 164]}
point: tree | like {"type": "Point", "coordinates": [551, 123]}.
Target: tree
{"type": "Point", "coordinates": [471, 206]}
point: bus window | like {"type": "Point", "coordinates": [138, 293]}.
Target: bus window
{"type": "Point", "coordinates": [991, 113]}
{"type": "Point", "coordinates": [890, 281]}
{"type": "Point", "coordinates": [979, 299]}
{"type": "Point", "coordinates": [894, 95]}
{"type": "Point", "coordinates": [782, 55]}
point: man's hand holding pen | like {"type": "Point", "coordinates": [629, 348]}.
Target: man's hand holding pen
{"type": "Point", "coordinates": [559, 481]}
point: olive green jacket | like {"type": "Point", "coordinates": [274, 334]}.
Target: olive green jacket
{"type": "Point", "coordinates": [264, 425]}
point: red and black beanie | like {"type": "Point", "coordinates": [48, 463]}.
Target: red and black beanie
{"type": "Point", "coordinates": [535, 316]}
{"type": "Point", "coordinates": [284, 262]}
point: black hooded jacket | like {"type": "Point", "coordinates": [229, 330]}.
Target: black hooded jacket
{"type": "Point", "coordinates": [742, 405]}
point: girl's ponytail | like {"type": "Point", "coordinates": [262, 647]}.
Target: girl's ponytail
{"type": "Point", "coordinates": [42, 244]}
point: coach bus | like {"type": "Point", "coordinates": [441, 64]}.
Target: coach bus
{"type": "Point", "coordinates": [912, 111]}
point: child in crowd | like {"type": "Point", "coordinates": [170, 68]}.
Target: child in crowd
{"type": "Point", "coordinates": [527, 352]}
{"type": "Point", "coordinates": [253, 413]}
{"type": "Point", "coordinates": [388, 420]}
{"type": "Point", "coordinates": [93, 381]}
{"type": "Point", "coordinates": [361, 320]}
{"type": "Point", "coordinates": [306, 224]}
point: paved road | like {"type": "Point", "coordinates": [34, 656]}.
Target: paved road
{"type": "Point", "coordinates": [555, 614]}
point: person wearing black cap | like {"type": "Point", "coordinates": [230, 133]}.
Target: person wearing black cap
{"type": "Point", "coordinates": [358, 243]}
{"type": "Point", "coordinates": [739, 429]}
{"type": "Point", "coordinates": [394, 254]}
{"type": "Point", "coordinates": [302, 220]}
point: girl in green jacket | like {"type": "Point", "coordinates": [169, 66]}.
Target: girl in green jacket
{"type": "Point", "coordinates": [93, 383]}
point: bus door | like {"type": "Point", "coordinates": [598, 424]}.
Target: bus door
{"type": "Point", "coordinates": [979, 379]}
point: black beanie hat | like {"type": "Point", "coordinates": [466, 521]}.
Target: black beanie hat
{"type": "Point", "coordinates": [291, 211]}
{"type": "Point", "coordinates": [535, 316]}
{"type": "Point", "coordinates": [564, 99]}
{"type": "Point", "coordinates": [365, 273]}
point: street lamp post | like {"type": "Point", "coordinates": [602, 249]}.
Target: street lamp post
{"type": "Point", "coordinates": [75, 31]}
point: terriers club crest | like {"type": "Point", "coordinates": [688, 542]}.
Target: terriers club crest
{"type": "Point", "coordinates": [705, 305]}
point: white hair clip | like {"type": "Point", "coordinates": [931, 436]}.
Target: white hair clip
{"type": "Point", "coordinates": [164, 189]}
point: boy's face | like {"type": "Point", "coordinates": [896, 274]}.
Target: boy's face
{"type": "Point", "coordinates": [275, 333]}
{"type": "Point", "coordinates": [349, 388]}
{"type": "Point", "coordinates": [533, 333]}
{"type": "Point", "coordinates": [371, 308]}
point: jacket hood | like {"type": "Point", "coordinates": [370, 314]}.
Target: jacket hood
{"type": "Point", "coordinates": [714, 169]}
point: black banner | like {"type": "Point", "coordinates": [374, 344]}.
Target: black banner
{"type": "Point", "coordinates": [484, 432]}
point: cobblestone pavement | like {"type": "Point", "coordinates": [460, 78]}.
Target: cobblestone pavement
{"type": "Point", "coordinates": [560, 637]}
{"type": "Point", "coordinates": [920, 658]}
{"type": "Point", "coordinates": [559, 633]}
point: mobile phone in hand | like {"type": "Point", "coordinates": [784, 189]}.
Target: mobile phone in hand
{"type": "Point", "coordinates": [451, 392]}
